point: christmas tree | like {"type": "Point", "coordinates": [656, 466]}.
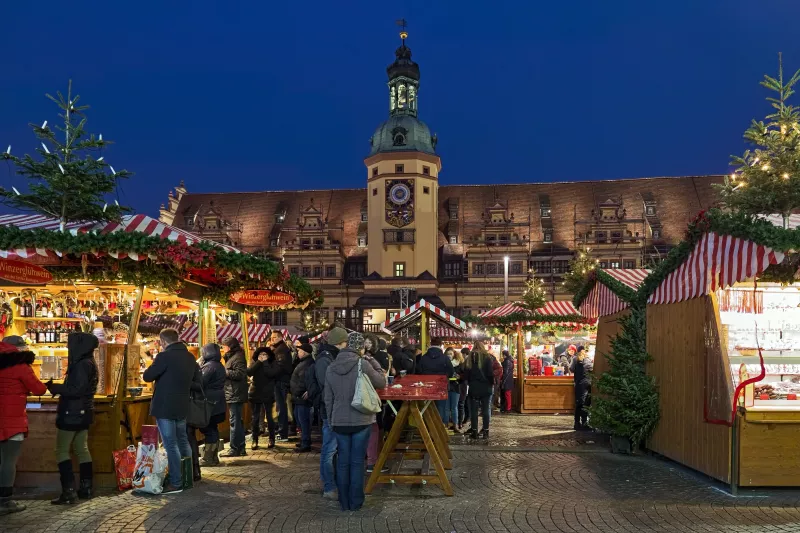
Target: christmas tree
{"type": "Point", "coordinates": [767, 179]}
{"type": "Point", "coordinates": [533, 297]}
{"type": "Point", "coordinates": [314, 322]}
{"type": "Point", "coordinates": [627, 405]}
{"type": "Point", "coordinates": [579, 269]}
{"type": "Point", "coordinates": [67, 182]}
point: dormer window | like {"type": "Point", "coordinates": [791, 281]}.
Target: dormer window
{"type": "Point", "coordinates": [362, 242]}
{"type": "Point", "coordinates": [363, 216]}
{"type": "Point", "coordinates": [548, 237]}
{"type": "Point", "coordinates": [279, 218]}
{"type": "Point", "coordinates": [189, 222]}
{"type": "Point", "coordinates": [656, 233]}
{"type": "Point", "coordinates": [650, 210]}
{"type": "Point", "coordinates": [616, 237]}
{"type": "Point", "coordinates": [399, 169]}
{"type": "Point", "coordinates": [545, 212]}
{"type": "Point", "coordinates": [453, 239]}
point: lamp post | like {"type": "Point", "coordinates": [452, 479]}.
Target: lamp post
{"type": "Point", "coordinates": [505, 280]}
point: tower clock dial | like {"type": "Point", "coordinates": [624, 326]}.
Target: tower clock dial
{"type": "Point", "coordinates": [400, 194]}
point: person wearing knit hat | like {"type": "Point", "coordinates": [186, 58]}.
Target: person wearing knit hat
{"type": "Point", "coordinates": [16, 341]}
{"type": "Point", "coordinates": [351, 427]}
{"type": "Point", "coordinates": [335, 341]}
{"type": "Point", "coordinates": [336, 336]}
{"type": "Point", "coordinates": [303, 388]}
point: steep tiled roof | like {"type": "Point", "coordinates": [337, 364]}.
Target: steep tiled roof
{"type": "Point", "coordinates": [677, 201]}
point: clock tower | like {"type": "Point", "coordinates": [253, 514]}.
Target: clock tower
{"type": "Point", "coordinates": [402, 181]}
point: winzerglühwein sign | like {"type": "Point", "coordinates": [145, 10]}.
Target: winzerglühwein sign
{"type": "Point", "coordinates": [262, 298]}
{"type": "Point", "coordinates": [24, 273]}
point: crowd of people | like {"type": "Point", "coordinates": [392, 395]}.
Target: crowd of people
{"type": "Point", "coordinates": [315, 383]}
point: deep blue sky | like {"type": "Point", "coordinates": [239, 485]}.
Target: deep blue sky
{"type": "Point", "coordinates": [233, 96]}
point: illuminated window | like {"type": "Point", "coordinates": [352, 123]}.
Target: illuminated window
{"type": "Point", "coordinates": [399, 270]}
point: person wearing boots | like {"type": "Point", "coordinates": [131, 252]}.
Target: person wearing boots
{"type": "Point", "coordinates": [265, 372]}
{"type": "Point", "coordinates": [235, 394]}
{"type": "Point", "coordinates": [506, 383]}
{"type": "Point", "coordinates": [74, 415]}
{"type": "Point", "coordinates": [174, 371]}
{"type": "Point", "coordinates": [17, 380]}
{"type": "Point", "coordinates": [283, 355]}
{"type": "Point", "coordinates": [191, 431]}
{"type": "Point", "coordinates": [478, 369]}
{"type": "Point", "coordinates": [302, 396]}
{"type": "Point", "coordinates": [213, 375]}
{"type": "Point", "coordinates": [581, 369]}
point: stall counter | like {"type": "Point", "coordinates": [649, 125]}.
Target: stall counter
{"type": "Point", "coordinates": [548, 395]}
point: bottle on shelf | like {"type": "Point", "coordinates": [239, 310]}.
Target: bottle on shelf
{"type": "Point", "coordinates": [38, 312]}
{"type": "Point", "coordinates": [28, 308]}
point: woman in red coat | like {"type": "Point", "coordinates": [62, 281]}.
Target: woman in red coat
{"type": "Point", "coordinates": [17, 380]}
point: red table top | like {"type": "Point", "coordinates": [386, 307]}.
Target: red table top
{"type": "Point", "coordinates": [435, 389]}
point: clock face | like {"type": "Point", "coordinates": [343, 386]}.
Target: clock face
{"type": "Point", "coordinates": [400, 194]}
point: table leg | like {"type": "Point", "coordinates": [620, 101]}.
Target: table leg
{"type": "Point", "coordinates": [439, 435]}
{"type": "Point", "coordinates": [431, 448]}
{"type": "Point", "coordinates": [389, 446]}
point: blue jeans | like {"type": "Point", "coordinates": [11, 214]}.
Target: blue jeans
{"type": "Point", "coordinates": [442, 406]}
{"type": "Point", "coordinates": [482, 405]}
{"type": "Point", "coordinates": [350, 469]}
{"type": "Point", "coordinates": [302, 416]}
{"type": "Point", "coordinates": [452, 407]}
{"type": "Point", "coordinates": [281, 390]}
{"type": "Point", "coordinates": [176, 444]}
{"type": "Point", "coordinates": [329, 445]}
{"type": "Point", "coordinates": [235, 417]}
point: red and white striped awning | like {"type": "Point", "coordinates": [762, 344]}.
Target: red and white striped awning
{"type": "Point", "coordinates": [504, 310]}
{"type": "Point", "coordinates": [601, 301]}
{"type": "Point", "coordinates": [255, 333]}
{"type": "Point", "coordinates": [407, 317]}
{"type": "Point", "coordinates": [551, 309]}
{"type": "Point", "coordinates": [129, 224]}
{"type": "Point", "coordinates": [443, 332]}
{"type": "Point", "coordinates": [717, 262]}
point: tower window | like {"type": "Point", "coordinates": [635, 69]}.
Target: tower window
{"type": "Point", "coordinates": [426, 190]}
{"type": "Point", "coordinates": [399, 270]}
{"type": "Point", "coordinates": [548, 236]}
{"type": "Point", "coordinates": [399, 140]}
{"type": "Point", "coordinates": [453, 239]}
{"type": "Point", "coordinates": [399, 169]}
{"type": "Point", "coordinates": [375, 191]}
{"type": "Point", "coordinates": [362, 242]}
{"type": "Point", "coordinates": [650, 210]}
{"type": "Point", "coordinates": [363, 216]}
{"type": "Point", "coordinates": [374, 171]}
{"type": "Point", "coordinates": [656, 233]}
{"type": "Point", "coordinates": [426, 171]}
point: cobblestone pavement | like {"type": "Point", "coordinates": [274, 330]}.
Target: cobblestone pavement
{"type": "Point", "coordinates": [578, 487]}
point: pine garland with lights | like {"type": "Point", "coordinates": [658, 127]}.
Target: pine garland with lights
{"type": "Point", "coordinates": [66, 182]}
{"type": "Point", "coordinates": [767, 179]}
{"type": "Point", "coordinates": [580, 267]}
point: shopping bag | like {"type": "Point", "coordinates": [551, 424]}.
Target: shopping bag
{"type": "Point", "coordinates": [124, 465]}
{"type": "Point", "coordinates": [365, 398]}
{"type": "Point", "coordinates": [151, 468]}
{"type": "Point", "coordinates": [150, 435]}
{"type": "Point", "coordinates": [187, 473]}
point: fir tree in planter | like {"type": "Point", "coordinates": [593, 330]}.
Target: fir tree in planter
{"type": "Point", "coordinates": [628, 404]}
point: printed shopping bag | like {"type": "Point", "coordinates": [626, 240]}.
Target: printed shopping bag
{"type": "Point", "coordinates": [124, 466]}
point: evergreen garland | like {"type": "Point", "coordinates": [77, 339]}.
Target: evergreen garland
{"type": "Point", "coordinates": [514, 318]}
{"type": "Point", "coordinates": [628, 405]}
{"type": "Point", "coordinates": [622, 291]}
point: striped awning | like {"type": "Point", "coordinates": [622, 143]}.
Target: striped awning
{"type": "Point", "coordinates": [550, 309]}
{"type": "Point", "coordinates": [443, 332]}
{"type": "Point", "coordinates": [717, 262]}
{"type": "Point", "coordinates": [407, 317]}
{"type": "Point", "coordinates": [129, 224]}
{"type": "Point", "coordinates": [255, 332]}
{"type": "Point", "coordinates": [601, 301]}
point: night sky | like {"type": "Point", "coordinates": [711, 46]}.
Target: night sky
{"type": "Point", "coordinates": [246, 96]}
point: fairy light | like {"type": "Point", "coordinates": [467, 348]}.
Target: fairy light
{"type": "Point", "coordinates": [765, 167]}
{"type": "Point", "coordinates": [733, 176]}
{"type": "Point", "coordinates": [785, 176]}
{"type": "Point", "coordinates": [45, 148]}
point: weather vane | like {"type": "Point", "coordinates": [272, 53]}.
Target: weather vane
{"type": "Point", "coordinates": [403, 33]}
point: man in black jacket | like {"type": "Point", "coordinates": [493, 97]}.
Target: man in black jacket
{"type": "Point", "coordinates": [283, 356]}
{"type": "Point", "coordinates": [235, 394]}
{"type": "Point", "coordinates": [264, 371]}
{"type": "Point", "coordinates": [435, 362]}
{"type": "Point", "coordinates": [302, 395]}
{"type": "Point", "coordinates": [402, 359]}
{"type": "Point", "coordinates": [327, 352]}
{"type": "Point", "coordinates": [174, 371]}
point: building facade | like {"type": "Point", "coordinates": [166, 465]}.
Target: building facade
{"type": "Point", "coordinates": [373, 250]}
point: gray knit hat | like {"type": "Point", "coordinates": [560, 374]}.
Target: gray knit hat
{"type": "Point", "coordinates": [355, 341]}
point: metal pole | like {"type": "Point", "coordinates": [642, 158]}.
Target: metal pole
{"type": "Point", "coordinates": [735, 456]}
{"type": "Point", "coordinates": [505, 280]}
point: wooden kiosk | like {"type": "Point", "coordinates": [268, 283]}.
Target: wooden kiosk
{"type": "Point", "coordinates": [103, 278]}
{"type": "Point", "coordinates": [542, 394]}
{"type": "Point", "coordinates": [725, 344]}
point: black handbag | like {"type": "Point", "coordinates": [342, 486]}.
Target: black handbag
{"type": "Point", "coordinates": [199, 414]}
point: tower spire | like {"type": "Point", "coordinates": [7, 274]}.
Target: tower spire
{"type": "Point", "coordinates": [403, 33]}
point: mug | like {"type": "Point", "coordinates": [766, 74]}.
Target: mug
{"type": "Point", "coordinates": [403, 373]}
{"type": "Point", "coordinates": [390, 379]}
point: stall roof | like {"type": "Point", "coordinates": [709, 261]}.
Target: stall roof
{"type": "Point", "coordinates": [601, 300]}
{"type": "Point", "coordinates": [129, 224]}
{"type": "Point", "coordinates": [406, 317]}
{"type": "Point", "coordinates": [255, 333]}
{"type": "Point", "coordinates": [559, 308]}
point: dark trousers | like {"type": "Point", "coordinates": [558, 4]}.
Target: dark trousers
{"type": "Point", "coordinates": [236, 419]}
{"type": "Point", "coordinates": [302, 416]}
{"type": "Point", "coordinates": [583, 399]}
{"type": "Point", "coordinates": [191, 434]}
{"type": "Point", "coordinates": [281, 391]}
{"type": "Point", "coordinates": [482, 405]}
{"type": "Point", "coordinates": [211, 431]}
{"type": "Point", "coordinates": [259, 410]}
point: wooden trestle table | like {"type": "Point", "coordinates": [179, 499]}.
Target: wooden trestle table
{"type": "Point", "coordinates": [420, 414]}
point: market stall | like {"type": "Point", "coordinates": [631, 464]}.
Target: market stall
{"type": "Point", "coordinates": [422, 313]}
{"type": "Point", "coordinates": [722, 329]}
{"type": "Point", "coordinates": [110, 279]}
{"type": "Point", "coordinates": [606, 298]}
{"type": "Point", "coordinates": [548, 391]}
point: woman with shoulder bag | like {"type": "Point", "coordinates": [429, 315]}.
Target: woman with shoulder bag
{"type": "Point", "coordinates": [478, 371]}
{"type": "Point", "coordinates": [74, 416]}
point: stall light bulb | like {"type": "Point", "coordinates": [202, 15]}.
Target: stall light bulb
{"type": "Point", "coordinates": [100, 159]}
{"type": "Point", "coordinates": [8, 150]}
{"type": "Point", "coordinates": [765, 167]}
{"type": "Point", "coordinates": [733, 176]}
{"type": "Point", "coordinates": [45, 148]}
{"type": "Point", "coordinates": [112, 169]}
{"type": "Point", "coordinates": [62, 168]}
{"type": "Point", "coordinates": [785, 176]}
{"type": "Point", "coordinates": [15, 190]}
{"type": "Point", "coordinates": [756, 160]}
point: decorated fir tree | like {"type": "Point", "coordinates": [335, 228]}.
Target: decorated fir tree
{"type": "Point", "coordinates": [767, 178]}
{"type": "Point", "coordinates": [627, 405]}
{"type": "Point", "coordinates": [579, 269]}
{"type": "Point", "coordinates": [314, 322]}
{"type": "Point", "coordinates": [68, 181]}
{"type": "Point", "coordinates": [534, 296]}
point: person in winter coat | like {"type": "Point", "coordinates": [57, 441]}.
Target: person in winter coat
{"type": "Point", "coordinates": [335, 341]}
{"type": "Point", "coordinates": [175, 374]}
{"type": "Point", "coordinates": [478, 369]}
{"type": "Point", "coordinates": [74, 415]}
{"type": "Point", "coordinates": [506, 383]}
{"type": "Point", "coordinates": [372, 347]}
{"type": "Point", "coordinates": [235, 394]}
{"type": "Point", "coordinates": [196, 390]}
{"type": "Point", "coordinates": [401, 359]}
{"type": "Point", "coordinates": [581, 370]}
{"type": "Point", "coordinates": [463, 390]}
{"type": "Point", "coordinates": [350, 425]}
{"type": "Point", "coordinates": [213, 377]}
{"type": "Point", "coordinates": [435, 362]}
{"type": "Point", "coordinates": [264, 372]}
{"type": "Point", "coordinates": [497, 371]}
{"type": "Point", "coordinates": [453, 395]}
{"type": "Point", "coordinates": [283, 355]}
{"type": "Point", "coordinates": [377, 348]}
{"type": "Point", "coordinates": [17, 380]}
{"type": "Point", "coordinates": [302, 395]}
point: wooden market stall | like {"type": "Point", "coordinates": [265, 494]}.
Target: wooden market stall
{"type": "Point", "coordinates": [423, 313]}
{"type": "Point", "coordinates": [103, 278]}
{"type": "Point", "coordinates": [548, 393]}
{"type": "Point", "coordinates": [722, 329]}
{"type": "Point", "coordinates": [606, 298]}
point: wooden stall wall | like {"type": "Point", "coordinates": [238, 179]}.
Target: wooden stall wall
{"type": "Point", "coordinates": [607, 328]}
{"type": "Point", "coordinates": [676, 341]}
